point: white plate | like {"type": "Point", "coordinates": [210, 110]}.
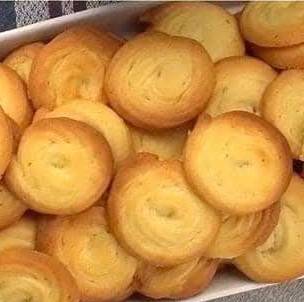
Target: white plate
{"type": "Point", "coordinates": [121, 19]}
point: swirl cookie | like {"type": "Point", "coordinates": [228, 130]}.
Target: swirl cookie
{"type": "Point", "coordinates": [273, 24]}
{"type": "Point", "coordinates": [238, 234]}
{"type": "Point", "coordinates": [22, 58]}
{"type": "Point", "coordinates": [210, 25]}
{"type": "Point", "coordinates": [83, 243]}
{"type": "Point", "coordinates": [169, 80]}
{"type": "Point", "coordinates": [153, 212]}
{"type": "Point", "coordinates": [281, 257]}
{"type": "Point", "coordinates": [281, 57]}
{"type": "Point", "coordinates": [20, 234]}
{"type": "Point", "coordinates": [26, 275]}
{"type": "Point", "coordinates": [166, 144]}
{"type": "Point", "coordinates": [6, 142]}
{"type": "Point", "coordinates": [181, 281]}
{"type": "Point", "coordinates": [240, 84]}
{"type": "Point", "coordinates": [11, 208]}
{"type": "Point", "coordinates": [61, 167]}
{"type": "Point", "coordinates": [226, 157]}
{"type": "Point", "coordinates": [100, 117]}
{"type": "Point", "coordinates": [13, 97]}
{"type": "Point", "coordinates": [72, 66]}
{"type": "Point", "coordinates": [283, 106]}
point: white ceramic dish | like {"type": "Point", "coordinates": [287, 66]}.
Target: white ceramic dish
{"type": "Point", "coordinates": [121, 19]}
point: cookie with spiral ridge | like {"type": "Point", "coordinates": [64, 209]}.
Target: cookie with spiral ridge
{"type": "Point", "coordinates": [11, 208]}
{"type": "Point", "coordinates": [154, 213]}
{"type": "Point", "coordinates": [27, 275]}
{"type": "Point", "coordinates": [22, 233]}
{"type": "Point", "coordinates": [281, 257]}
{"type": "Point", "coordinates": [84, 244]}
{"type": "Point", "coordinates": [283, 106]}
{"type": "Point", "coordinates": [13, 97]}
{"type": "Point", "coordinates": [62, 166]}
{"type": "Point", "coordinates": [240, 84]}
{"type": "Point", "coordinates": [167, 144]}
{"type": "Point", "coordinates": [21, 59]}
{"type": "Point", "coordinates": [178, 282]}
{"type": "Point", "coordinates": [238, 234]}
{"type": "Point", "coordinates": [273, 24]}
{"type": "Point", "coordinates": [100, 117]}
{"type": "Point", "coordinates": [169, 80]}
{"type": "Point", "coordinates": [72, 66]}
{"type": "Point", "coordinates": [288, 57]}
{"type": "Point", "coordinates": [210, 25]}
{"type": "Point", "coordinates": [226, 157]}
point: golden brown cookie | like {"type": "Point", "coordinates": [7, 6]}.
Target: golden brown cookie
{"type": "Point", "coordinates": [100, 117]}
{"type": "Point", "coordinates": [22, 233]}
{"type": "Point", "coordinates": [11, 208]}
{"type": "Point", "coordinates": [283, 106]}
{"type": "Point", "coordinates": [167, 144]}
{"type": "Point", "coordinates": [26, 275]}
{"type": "Point", "coordinates": [13, 97]}
{"type": "Point", "coordinates": [158, 81]}
{"type": "Point", "coordinates": [238, 234]}
{"type": "Point", "coordinates": [72, 66]}
{"type": "Point", "coordinates": [281, 57]}
{"type": "Point", "coordinates": [240, 84]}
{"type": "Point", "coordinates": [209, 24]}
{"type": "Point", "coordinates": [273, 24]}
{"type": "Point", "coordinates": [237, 162]}
{"type": "Point", "coordinates": [181, 281]}
{"type": "Point", "coordinates": [153, 212]}
{"type": "Point", "coordinates": [6, 141]}
{"type": "Point", "coordinates": [84, 244]}
{"type": "Point", "coordinates": [281, 257]}
{"type": "Point", "coordinates": [62, 166]}
{"type": "Point", "coordinates": [21, 59]}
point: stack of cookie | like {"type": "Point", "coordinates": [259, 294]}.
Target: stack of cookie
{"type": "Point", "coordinates": [142, 166]}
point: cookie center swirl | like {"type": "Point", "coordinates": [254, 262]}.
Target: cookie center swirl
{"type": "Point", "coordinates": [78, 74]}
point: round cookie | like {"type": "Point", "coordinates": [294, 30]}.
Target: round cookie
{"type": "Point", "coordinates": [102, 270]}
{"type": "Point", "coordinates": [27, 275]}
{"type": "Point", "coordinates": [11, 208]}
{"type": "Point", "coordinates": [238, 234]}
{"type": "Point", "coordinates": [153, 212]}
{"type": "Point", "coordinates": [166, 144]}
{"type": "Point", "coordinates": [273, 24]}
{"type": "Point", "coordinates": [169, 80]}
{"type": "Point", "coordinates": [21, 59]}
{"type": "Point", "coordinates": [281, 57]}
{"type": "Point", "coordinates": [62, 167]}
{"type": "Point", "coordinates": [281, 257]}
{"type": "Point", "coordinates": [13, 97]}
{"type": "Point", "coordinates": [100, 117]}
{"type": "Point", "coordinates": [209, 24]}
{"type": "Point", "coordinates": [283, 106]}
{"type": "Point", "coordinates": [72, 66]}
{"type": "Point", "coordinates": [178, 282]}
{"type": "Point", "coordinates": [240, 84]}
{"type": "Point", "coordinates": [21, 234]}
{"type": "Point", "coordinates": [226, 158]}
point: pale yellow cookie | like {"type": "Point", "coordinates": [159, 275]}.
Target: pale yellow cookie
{"type": "Point", "coordinates": [240, 84]}
{"type": "Point", "coordinates": [153, 212]}
{"type": "Point", "coordinates": [273, 23]}
{"type": "Point", "coordinates": [209, 24]}
{"type": "Point", "coordinates": [157, 81]}
{"type": "Point", "coordinates": [21, 59]}
{"type": "Point", "coordinates": [237, 162]}
{"type": "Point", "coordinates": [283, 106]}
{"type": "Point", "coordinates": [281, 257]}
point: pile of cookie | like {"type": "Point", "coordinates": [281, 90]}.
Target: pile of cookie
{"type": "Point", "coordinates": [144, 166]}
